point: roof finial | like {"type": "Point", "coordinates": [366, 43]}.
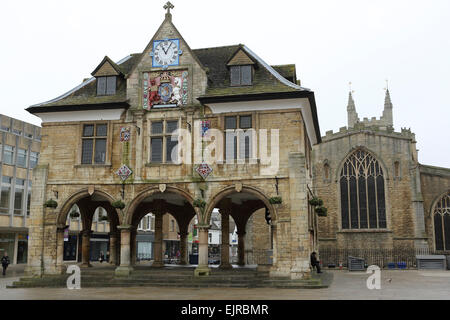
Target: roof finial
{"type": "Point", "coordinates": [168, 6]}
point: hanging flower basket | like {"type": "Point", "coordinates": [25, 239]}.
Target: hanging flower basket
{"type": "Point", "coordinates": [103, 218]}
{"type": "Point", "coordinates": [118, 204]}
{"type": "Point", "coordinates": [321, 211]}
{"type": "Point", "coordinates": [50, 204]}
{"type": "Point", "coordinates": [316, 202]}
{"type": "Point", "coordinates": [199, 203]}
{"type": "Point", "coordinates": [276, 200]}
{"type": "Point", "coordinates": [74, 214]}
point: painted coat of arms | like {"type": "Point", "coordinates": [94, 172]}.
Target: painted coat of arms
{"type": "Point", "coordinates": [165, 89]}
{"type": "Point", "coordinates": [124, 172]}
{"type": "Point", "coordinates": [124, 134]}
{"type": "Point", "coordinates": [206, 124]}
{"type": "Point", "coordinates": [204, 170]}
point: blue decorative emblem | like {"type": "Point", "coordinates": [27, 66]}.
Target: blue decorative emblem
{"type": "Point", "coordinates": [165, 92]}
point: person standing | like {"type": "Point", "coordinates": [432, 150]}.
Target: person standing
{"type": "Point", "coordinates": [314, 262]}
{"type": "Point", "coordinates": [5, 262]}
{"type": "Point", "coordinates": [102, 257]}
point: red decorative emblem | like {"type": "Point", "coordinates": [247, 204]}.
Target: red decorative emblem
{"type": "Point", "coordinates": [124, 172]}
{"type": "Point", "coordinates": [204, 170]}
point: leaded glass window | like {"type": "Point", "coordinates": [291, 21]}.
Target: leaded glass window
{"type": "Point", "coordinates": [362, 192]}
{"type": "Point", "coordinates": [241, 75]}
{"type": "Point", "coordinates": [106, 86]}
{"type": "Point", "coordinates": [164, 141]}
{"type": "Point", "coordinates": [441, 219]}
{"type": "Point", "coordinates": [238, 143]}
{"type": "Point", "coordinates": [93, 144]}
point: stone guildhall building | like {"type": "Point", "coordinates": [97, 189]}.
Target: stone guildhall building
{"type": "Point", "coordinates": [109, 142]}
{"type": "Point", "coordinates": [186, 131]}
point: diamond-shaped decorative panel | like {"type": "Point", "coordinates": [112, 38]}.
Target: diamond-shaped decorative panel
{"type": "Point", "coordinates": [124, 172]}
{"type": "Point", "coordinates": [204, 170]}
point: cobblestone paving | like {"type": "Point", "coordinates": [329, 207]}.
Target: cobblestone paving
{"type": "Point", "coordinates": [395, 284]}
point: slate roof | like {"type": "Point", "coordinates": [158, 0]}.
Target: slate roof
{"type": "Point", "coordinates": [266, 79]}
{"type": "Point", "coordinates": [86, 93]}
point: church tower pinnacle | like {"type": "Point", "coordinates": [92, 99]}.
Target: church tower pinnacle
{"type": "Point", "coordinates": [352, 116]}
{"type": "Point", "coordinates": [387, 112]}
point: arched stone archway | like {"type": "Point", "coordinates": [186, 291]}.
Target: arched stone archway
{"type": "Point", "coordinates": [215, 200]}
{"type": "Point", "coordinates": [87, 203]}
{"type": "Point", "coordinates": [240, 205]}
{"type": "Point", "coordinates": [171, 200]}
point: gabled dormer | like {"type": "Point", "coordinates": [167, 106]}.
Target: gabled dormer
{"type": "Point", "coordinates": [107, 74]}
{"type": "Point", "coordinates": [242, 68]}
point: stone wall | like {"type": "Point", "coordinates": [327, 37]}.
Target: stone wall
{"type": "Point", "coordinates": [397, 155]}
{"type": "Point", "coordinates": [435, 183]}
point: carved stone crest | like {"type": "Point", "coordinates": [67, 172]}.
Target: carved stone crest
{"type": "Point", "coordinates": [238, 187]}
{"type": "Point", "coordinates": [91, 190]}
{"type": "Point", "coordinates": [162, 187]}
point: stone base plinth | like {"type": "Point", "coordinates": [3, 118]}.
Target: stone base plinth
{"type": "Point", "coordinates": [202, 271]}
{"type": "Point", "coordinates": [123, 271]}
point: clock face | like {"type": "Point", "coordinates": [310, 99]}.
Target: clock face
{"type": "Point", "coordinates": [166, 52]}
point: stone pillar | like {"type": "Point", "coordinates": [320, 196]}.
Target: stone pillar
{"type": "Point", "coordinates": [225, 245]}
{"type": "Point", "coordinates": [60, 268]}
{"type": "Point", "coordinates": [241, 248]}
{"type": "Point", "coordinates": [125, 268]}
{"type": "Point", "coordinates": [85, 248]}
{"type": "Point", "coordinates": [139, 146]}
{"type": "Point", "coordinates": [157, 245]}
{"type": "Point", "coordinates": [35, 265]}
{"type": "Point", "coordinates": [133, 246]}
{"type": "Point", "coordinates": [183, 247]}
{"type": "Point", "coordinates": [202, 269]}
{"type": "Point", "coordinates": [113, 248]}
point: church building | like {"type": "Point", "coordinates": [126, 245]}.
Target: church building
{"type": "Point", "coordinates": [379, 197]}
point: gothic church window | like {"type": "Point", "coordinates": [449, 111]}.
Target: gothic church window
{"type": "Point", "coordinates": [441, 219]}
{"type": "Point", "coordinates": [396, 169]}
{"type": "Point", "coordinates": [362, 192]}
{"type": "Point", "coordinates": [326, 171]}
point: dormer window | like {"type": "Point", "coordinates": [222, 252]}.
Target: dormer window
{"type": "Point", "coordinates": [106, 86]}
{"type": "Point", "coordinates": [241, 75]}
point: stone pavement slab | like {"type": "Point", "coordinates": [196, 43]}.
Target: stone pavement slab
{"type": "Point", "coordinates": [395, 284]}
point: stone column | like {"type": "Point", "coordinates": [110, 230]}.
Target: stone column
{"type": "Point", "coordinates": [85, 248]}
{"type": "Point", "coordinates": [60, 250]}
{"type": "Point", "coordinates": [113, 248]}
{"type": "Point", "coordinates": [139, 146]}
{"type": "Point", "coordinates": [202, 269]}
{"type": "Point", "coordinates": [125, 267]}
{"type": "Point", "coordinates": [183, 247]}
{"type": "Point", "coordinates": [225, 245]}
{"type": "Point", "coordinates": [241, 248]}
{"type": "Point", "coordinates": [133, 246]}
{"type": "Point", "coordinates": [158, 259]}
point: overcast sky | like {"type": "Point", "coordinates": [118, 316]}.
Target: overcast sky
{"type": "Point", "coordinates": [49, 47]}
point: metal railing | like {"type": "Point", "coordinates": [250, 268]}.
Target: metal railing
{"type": "Point", "coordinates": [384, 258]}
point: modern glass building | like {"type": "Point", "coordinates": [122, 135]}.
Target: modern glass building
{"type": "Point", "coordinates": [20, 143]}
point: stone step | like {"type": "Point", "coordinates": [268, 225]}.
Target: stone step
{"type": "Point", "coordinates": [141, 279]}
